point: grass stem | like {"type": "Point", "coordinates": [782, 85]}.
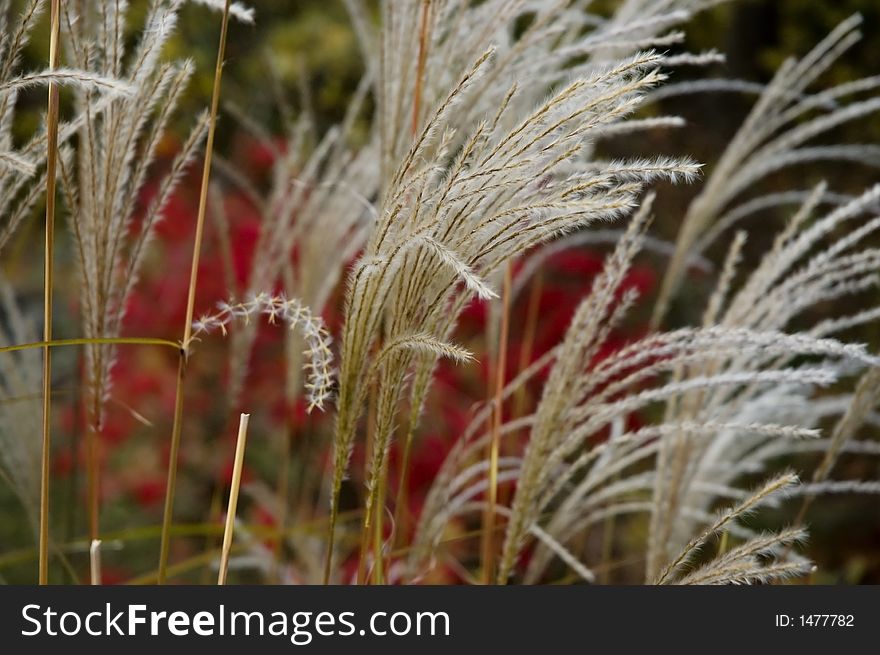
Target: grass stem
{"type": "Point", "coordinates": [191, 299]}
{"type": "Point", "coordinates": [95, 562]}
{"type": "Point", "coordinates": [49, 253]}
{"type": "Point", "coordinates": [495, 444]}
{"type": "Point", "coordinates": [234, 489]}
{"type": "Point", "coordinates": [420, 67]}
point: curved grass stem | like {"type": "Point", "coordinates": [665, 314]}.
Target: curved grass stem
{"type": "Point", "coordinates": [57, 343]}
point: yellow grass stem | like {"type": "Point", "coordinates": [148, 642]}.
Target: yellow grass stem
{"type": "Point", "coordinates": [233, 498]}
{"type": "Point", "coordinates": [190, 303]}
{"type": "Point", "coordinates": [379, 531]}
{"type": "Point", "coordinates": [92, 467]}
{"type": "Point", "coordinates": [370, 506]}
{"type": "Point", "coordinates": [420, 68]}
{"type": "Point", "coordinates": [500, 365]}
{"type": "Point", "coordinates": [51, 167]}
{"type": "Point", "coordinates": [331, 542]}
{"type": "Point", "coordinates": [173, 454]}
{"type": "Point", "coordinates": [401, 500]}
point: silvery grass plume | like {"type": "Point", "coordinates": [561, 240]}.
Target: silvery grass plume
{"type": "Point", "coordinates": [20, 380]}
{"type": "Point", "coordinates": [113, 157]}
{"type": "Point", "coordinates": [22, 167]}
{"type": "Point", "coordinates": [113, 160]}
{"type": "Point", "coordinates": [16, 168]}
{"type": "Point", "coordinates": [809, 263]}
{"type": "Point", "coordinates": [473, 185]}
{"type": "Point", "coordinates": [740, 394]}
{"type": "Point", "coordinates": [776, 135]}
{"type": "Point", "coordinates": [424, 47]}
{"type": "Point", "coordinates": [761, 559]}
{"type": "Point", "coordinates": [447, 222]}
{"type": "Point", "coordinates": [319, 207]}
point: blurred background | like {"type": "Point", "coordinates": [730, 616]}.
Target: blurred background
{"type": "Point", "coordinates": [311, 47]}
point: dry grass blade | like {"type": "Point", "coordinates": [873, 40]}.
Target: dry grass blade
{"type": "Point", "coordinates": [758, 498]}
{"type": "Point", "coordinates": [232, 506]}
{"type": "Point", "coordinates": [95, 562]}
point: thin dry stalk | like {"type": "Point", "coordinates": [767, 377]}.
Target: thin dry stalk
{"type": "Point", "coordinates": [497, 419]}
{"type": "Point", "coordinates": [401, 500]}
{"type": "Point", "coordinates": [371, 444]}
{"type": "Point", "coordinates": [420, 72]}
{"type": "Point", "coordinates": [379, 534]}
{"type": "Point", "coordinates": [95, 562]}
{"type": "Point", "coordinates": [51, 167]}
{"type": "Point", "coordinates": [234, 488]}
{"type": "Point", "coordinates": [190, 303]}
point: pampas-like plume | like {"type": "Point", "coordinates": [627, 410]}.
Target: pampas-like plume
{"type": "Point", "coordinates": [586, 331]}
{"type": "Point", "coordinates": [20, 187]}
{"type": "Point", "coordinates": [506, 190]}
{"type": "Point", "coordinates": [113, 160]}
{"type": "Point", "coordinates": [521, 174]}
{"type": "Point", "coordinates": [771, 138]}
{"type": "Point", "coordinates": [15, 163]}
{"type": "Point", "coordinates": [732, 396]}
{"type": "Point", "coordinates": [759, 497]}
{"type": "Point", "coordinates": [76, 79]}
{"type": "Point", "coordinates": [797, 272]}
{"type": "Point", "coordinates": [746, 564]}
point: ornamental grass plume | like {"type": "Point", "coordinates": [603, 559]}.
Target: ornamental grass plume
{"type": "Point", "coordinates": [477, 147]}
{"type": "Point", "coordinates": [466, 195]}
{"type": "Point", "coordinates": [739, 391]}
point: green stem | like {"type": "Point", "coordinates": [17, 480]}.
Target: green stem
{"type": "Point", "coordinates": [56, 343]}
